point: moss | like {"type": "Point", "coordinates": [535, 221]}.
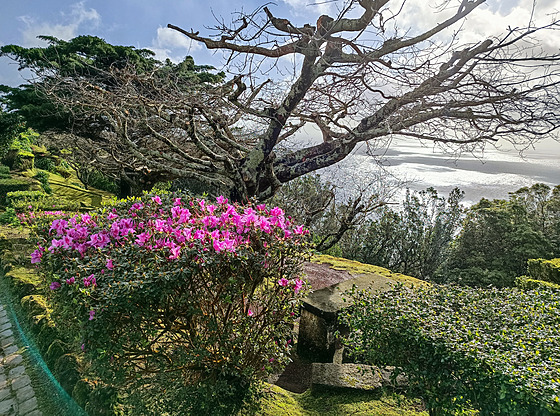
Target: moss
{"type": "Point", "coordinates": [64, 188]}
{"type": "Point", "coordinates": [335, 402]}
{"type": "Point", "coordinates": [357, 268]}
{"type": "Point", "coordinates": [34, 305]}
{"type": "Point", "coordinates": [26, 281]}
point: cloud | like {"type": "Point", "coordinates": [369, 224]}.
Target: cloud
{"type": "Point", "coordinates": [313, 8]}
{"type": "Point", "coordinates": [170, 44]}
{"type": "Point", "coordinates": [67, 28]}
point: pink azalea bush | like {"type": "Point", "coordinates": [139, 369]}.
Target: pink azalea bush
{"type": "Point", "coordinates": [180, 291]}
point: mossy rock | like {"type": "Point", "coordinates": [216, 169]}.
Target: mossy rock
{"type": "Point", "coordinates": [356, 268]}
{"type": "Point", "coordinates": [25, 281]}
{"type": "Point", "coordinates": [67, 371]}
{"type": "Point", "coordinates": [34, 305]}
{"type": "Point", "coordinates": [18, 159]}
{"type": "Point", "coordinates": [95, 397]}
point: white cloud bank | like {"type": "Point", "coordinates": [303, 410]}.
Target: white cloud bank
{"type": "Point", "coordinates": [170, 44]}
{"type": "Point", "coordinates": [77, 18]}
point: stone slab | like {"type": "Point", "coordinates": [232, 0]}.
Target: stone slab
{"type": "Point", "coordinates": [16, 372]}
{"type": "Point", "coordinates": [28, 406]}
{"type": "Point", "coordinates": [20, 382]}
{"type": "Point", "coordinates": [354, 376]}
{"type": "Point", "coordinates": [25, 393]}
{"type": "Point", "coordinates": [13, 360]}
{"type": "Point", "coordinates": [8, 407]}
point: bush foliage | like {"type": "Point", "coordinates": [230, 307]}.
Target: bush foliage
{"type": "Point", "coordinates": [181, 304]}
{"type": "Point", "coordinates": [495, 350]}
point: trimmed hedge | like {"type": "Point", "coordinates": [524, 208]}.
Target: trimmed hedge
{"type": "Point", "coordinates": [12, 185]}
{"type": "Point", "coordinates": [14, 196]}
{"type": "Point", "coordinates": [542, 269]}
{"type": "Point", "coordinates": [493, 350]}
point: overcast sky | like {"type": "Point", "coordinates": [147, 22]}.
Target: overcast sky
{"type": "Point", "coordinates": [142, 23]}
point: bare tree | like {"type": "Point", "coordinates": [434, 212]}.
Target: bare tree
{"type": "Point", "coordinates": [358, 78]}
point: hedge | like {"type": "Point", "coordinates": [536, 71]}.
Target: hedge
{"type": "Point", "coordinates": [493, 350]}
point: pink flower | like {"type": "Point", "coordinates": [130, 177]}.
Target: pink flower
{"type": "Point", "coordinates": [71, 280]}
{"type": "Point", "coordinates": [99, 240]}
{"type": "Point", "coordinates": [109, 264]}
{"type": "Point", "coordinates": [221, 200]}
{"type": "Point", "coordinates": [37, 255]}
{"type": "Point", "coordinates": [276, 212]}
{"type": "Point", "coordinates": [112, 216]}
{"type": "Point", "coordinates": [91, 315]}
{"type": "Point", "coordinates": [298, 284]}
{"type": "Point", "coordinates": [90, 281]}
{"type": "Point", "coordinates": [261, 207]}
{"type": "Point", "coordinates": [156, 199]}
{"type": "Point", "coordinates": [283, 282]}
{"type": "Point", "coordinates": [177, 201]}
{"type": "Point", "coordinates": [175, 251]}
{"type": "Point", "coordinates": [54, 285]}
{"type": "Point", "coordinates": [142, 239]}
{"type": "Point", "coordinates": [249, 312]}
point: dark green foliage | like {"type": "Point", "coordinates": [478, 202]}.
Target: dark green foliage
{"type": "Point", "coordinates": [98, 180]}
{"type": "Point", "coordinates": [4, 170]}
{"type": "Point", "coordinates": [45, 163]}
{"type": "Point", "coordinates": [497, 239]}
{"type": "Point", "coordinates": [495, 350]}
{"type": "Point", "coordinates": [86, 56]}
{"type": "Point", "coordinates": [90, 61]}
{"type": "Point", "coordinates": [43, 177]}
{"type": "Point", "coordinates": [9, 216]}
{"type": "Point", "coordinates": [11, 185]}
{"type": "Point", "coordinates": [414, 240]}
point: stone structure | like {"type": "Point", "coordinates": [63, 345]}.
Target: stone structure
{"type": "Point", "coordinates": [317, 340]}
{"type": "Point", "coordinates": [17, 397]}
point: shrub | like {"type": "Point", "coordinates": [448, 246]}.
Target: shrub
{"type": "Point", "coordinates": [45, 163]}
{"type": "Point", "coordinates": [11, 185]}
{"type": "Point", "coordinates": [181, 304]}
{"type": "Point", "coordinates": [24, 195]}
{"type": "Point", "coordinates": [48, 203]}
{"type": "Point", "coordinates": [547, 270]}
{"type": "Point", "coordinates": [8, 216]}
{"type": "Point", "coordinates": [526, 283]}
{"type": "Point", "coordinates": [43, 178]}
{"type": "Point", "coordinates": [4, 170]}
{"type": "Point", "coordinates": [495, 350]}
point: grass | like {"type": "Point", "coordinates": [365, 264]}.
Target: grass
{"type": "Point", "coordinates": [66, 188]}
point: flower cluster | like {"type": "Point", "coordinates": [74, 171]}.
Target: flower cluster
{"type": "Point", "coordinates": [187, 226]}
{"type": "Point", "coordinates": [213, 285]}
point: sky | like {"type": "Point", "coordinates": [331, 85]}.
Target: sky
{"type": "Point", "coordinates": [142, 23]}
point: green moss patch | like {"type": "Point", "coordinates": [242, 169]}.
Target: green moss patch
{"type": "Point", "coordinates": [25, 280]}
{"type": "Point", "coordinates": [357, 268]}
{"type": "Point", "coordinates": [65, 188]}
{"type": "Point", "coordinates": [336, 402]}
